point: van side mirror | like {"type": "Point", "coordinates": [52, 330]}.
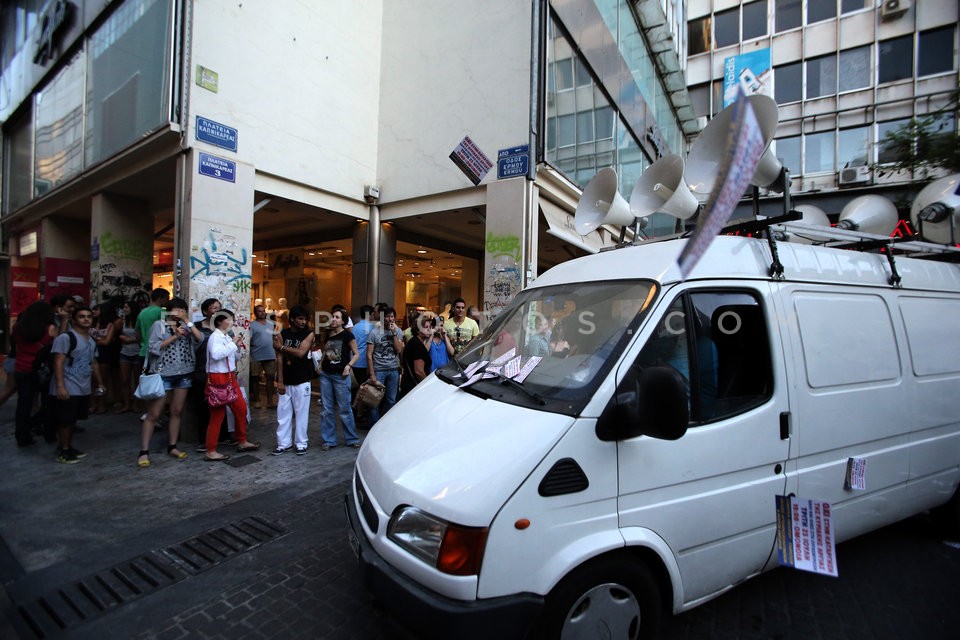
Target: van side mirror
{"type": "Point", "coordinates": [652, 404]}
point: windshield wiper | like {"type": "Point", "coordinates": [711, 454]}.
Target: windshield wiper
{"type": "Point", "coordinates": [518, 385]}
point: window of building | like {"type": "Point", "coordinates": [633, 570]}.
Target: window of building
{"type": "Point", "coordinates": [819, 153]}
{"type": "Point", "coordinates": [18, 161]}
{"type": "Point", "coordinates": [896, 59]}
{"type": "Point", "coordinates": [818, 10]}
{"type": "Point", "coordinates": [788, 14]}
{"type": "Point", "coordinates": [583, 74]}
{"type": "Point", "coordinates": [726, 25]}
{"type": "Point", "coordinates": [849, 6]}
{"type": "Point", "coordinates": [822, 76]}
{"type": "Point", "coordinates": [788, 82]}
{"type": "Point", "coordinates": [887, 152]}
{"type": "Point", "coordinates": [853, 147]}
{"type": "Point", "coordinates": [698, 35]}
{"type": "Point", "coordinates": [717, 342]}
{"type": "Point", "coordinates": [717, 97]}
{"type": "Point", "coordinates": [563, 72]}
{"type": "Point", "coordinates": [754, 19]}
{"type": "Point", "coordinates": [788, 153]}
{"type": "Point", "coordinates": [585, 127]}
{"type": "Point", "coordinates": [935, 51]}
{"type": "Point", "coordinates": [856, 68]}
{"type": "Point", "coordinates": [700, 99]}
{"type": "Point", "coordinates": [941, 138]}
{"type": "Point", "coordinates": [603, 118]}
{"type": "Point", "coordinates": [59, 132]}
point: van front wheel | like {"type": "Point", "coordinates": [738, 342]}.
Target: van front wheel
{"type": "Point", "coordinates": [613, 597]}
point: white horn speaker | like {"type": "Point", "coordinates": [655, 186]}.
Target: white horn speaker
{"type": "Point", "coordinates": [703, 161]}
{"type": "Point", "coordinates": [870, 214]}
{"type": "Point", "coordinates": [935, 205]}
{"type": "Point", "coordinates": [601, 203]}
{"type": "Point", "coordinates": [809, 214]}
{"type": "Point", "coordinates": [662, 188]}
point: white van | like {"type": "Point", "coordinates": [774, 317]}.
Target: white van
{"type": "Point", "coordinates": [633, 472]}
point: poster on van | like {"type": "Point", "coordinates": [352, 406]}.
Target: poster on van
{"type": "Point", "coordinates": [805, 535]}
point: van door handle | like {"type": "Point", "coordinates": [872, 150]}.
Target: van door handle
{"type": "Point", "coordinates": [784, 425]}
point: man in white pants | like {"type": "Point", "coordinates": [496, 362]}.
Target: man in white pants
{"type": "Point", "coordinates": [294, 372]}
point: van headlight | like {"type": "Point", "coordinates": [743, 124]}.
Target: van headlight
{"type": "Point", "coordinates": [448, 547]}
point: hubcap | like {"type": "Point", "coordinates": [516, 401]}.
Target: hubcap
{"type": "Point", "coordinates": [606, 612]}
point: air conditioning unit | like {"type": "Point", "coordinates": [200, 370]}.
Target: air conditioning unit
{"type": "Point", "coordinates": [890, 9]}
{"type": "Point", "coordinates": [853, 176]}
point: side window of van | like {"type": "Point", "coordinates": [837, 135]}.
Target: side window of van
{"type": "Point", "coordinates": [718, 342]}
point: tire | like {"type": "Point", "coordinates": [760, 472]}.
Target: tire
{"type": "Point", "coordinates": [612, 597]}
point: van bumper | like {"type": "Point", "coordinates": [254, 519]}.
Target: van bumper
{"type": "Point", "coordinates": [428, 614]}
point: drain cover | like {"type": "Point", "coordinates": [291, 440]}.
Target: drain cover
{"type": "Point", "coordinates": [91, 596]}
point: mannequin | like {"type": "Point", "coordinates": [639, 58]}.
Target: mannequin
{"type": "Point", "coordinates": [282, 313]}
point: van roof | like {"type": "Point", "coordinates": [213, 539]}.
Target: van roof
{"type": "Point", "coordinates": [734, 257]}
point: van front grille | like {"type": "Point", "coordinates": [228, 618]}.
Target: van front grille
{"type": "Point", "coordinates": [369, 513]}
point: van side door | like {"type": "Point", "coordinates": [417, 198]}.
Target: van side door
{"type": "Point", "coordinates": [710, 494]}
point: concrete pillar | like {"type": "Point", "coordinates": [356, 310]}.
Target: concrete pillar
{"type": "Point", "coordinates": [121, 249]}
{"type": "Point", "coordinates": [214, 241]}
{"type": "Point", "coordinates": [386, 267]}
{"type": "Point", "coordinates": [510, 250]}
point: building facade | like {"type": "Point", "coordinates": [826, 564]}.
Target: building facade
{"type": "Point", "coordinates": [408, 152]}
{"type": "Point", "coordinates": [843, 73]}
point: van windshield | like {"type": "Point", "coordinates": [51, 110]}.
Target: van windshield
{"type": "Point", "coordinates": [557, 342]}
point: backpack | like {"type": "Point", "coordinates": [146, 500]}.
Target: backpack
{"type": "Point", "coordinates": [43, 362]}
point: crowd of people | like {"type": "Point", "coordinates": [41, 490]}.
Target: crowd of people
{"type": "Point", "coordinates": [68, 361]}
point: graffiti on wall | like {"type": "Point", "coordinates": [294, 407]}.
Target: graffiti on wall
{"type": "Point", "coordinates": [121, 268]}
{"type": "Point", "coordinates": [504, 274]}
{"type": "Point", "coordinates": [220, 268]}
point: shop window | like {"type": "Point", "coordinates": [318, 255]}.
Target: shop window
{"type": "Point", "coordinates": [935, 51]}
{"type": "Point", "coordinates": [849, 6]}
{"type": "Point", "coordinates": [822, 76]}
{"type": "Point", "coordinates": [896, 59]}
{"type": "Point", "coordinates": [788, 14]}
{"type": "Point", "coordinates": [788, 82]}
{"type": "Point", "coordinates": [856, 68]}
{"type": "Point", "coordinates": [853, 147]}
{"type": "Point", "coordinates": [788, 153]}
{"type": "Point", "coordinates": [820, 153]}
{"type": "Point", "coordinates": [887, 152]}
{"type": "Point", "coordinates": [818, 10]}
{"type": "Point", "coordinates": [726, 25]}
{"type": "Point", "coordinates": [754, 19]}
{"type": "Point", "coordinates": [698, 36]}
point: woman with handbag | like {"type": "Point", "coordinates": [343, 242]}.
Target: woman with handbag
{"type": "Point", "coordinates": [222, 389]}
{"type": "Point", "coordinates": [170, 354]}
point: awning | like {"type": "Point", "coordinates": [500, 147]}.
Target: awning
{"type": "Point", "coordinates": [561, 226]}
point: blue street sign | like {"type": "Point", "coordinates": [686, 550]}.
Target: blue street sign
{"type": "Point", "coordinates": [219, 168]}
{"type": "Point", "coordinates": [219, 135]}
{"type": "Point", "coordinates": [513, 162]}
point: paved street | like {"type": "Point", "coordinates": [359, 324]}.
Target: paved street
{"type": "Point", "coordinates": [258, 550]}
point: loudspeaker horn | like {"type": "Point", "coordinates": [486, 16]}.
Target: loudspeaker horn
{"type": "Point", "coordinates": [810, 214]}
{"type": "Point", "coordinates": [662, 188]}
{"type": "Point", "coordinates": [935, 205]}
{"type": "Point", "coordinates": [703, 161]}
{"type": "Point", "coordinates": [870, 214]}
{"type": "Point", "coordinates": [601, 203]}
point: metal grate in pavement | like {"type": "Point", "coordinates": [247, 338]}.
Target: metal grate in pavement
{"type": "Point", "coordinates": [91, 596]}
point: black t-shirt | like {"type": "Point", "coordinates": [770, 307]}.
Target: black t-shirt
{"type": "Point", "coordinates": [295, 370]}
{"type": "Point", "coordinates": [413, 350]}
{"type": "Point", "coordinates": [336, 352]}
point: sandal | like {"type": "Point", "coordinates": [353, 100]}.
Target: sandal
{"type": "Point", "coordinates": [222, 458]}
{"type": "Point", "coordinates": [142, 460]}
{"type": "Point", "coordinates": [179, 455]}
{"type": "Point", "coordinates": [248, 446]}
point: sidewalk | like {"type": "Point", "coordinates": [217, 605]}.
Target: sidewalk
{"type": "Point", "coordinates": [52, 512]}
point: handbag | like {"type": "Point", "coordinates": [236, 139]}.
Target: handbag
{"type": "Point", "coordinates": [150, 386]}
{"type": "Point", "coordinates": [219, 395]}
{"type": "Point", "coordinates": [370, 394]}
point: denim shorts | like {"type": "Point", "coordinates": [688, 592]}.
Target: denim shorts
{"type": "Point", "coordinates": [183, 381]}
